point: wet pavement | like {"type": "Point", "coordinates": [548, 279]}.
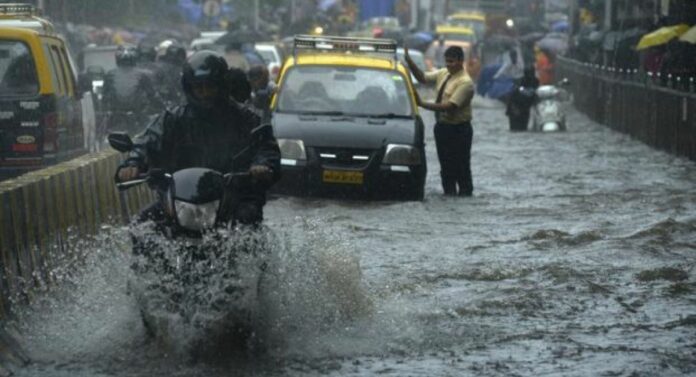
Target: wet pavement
{"type": "Point", "coordinates": [575, 257]}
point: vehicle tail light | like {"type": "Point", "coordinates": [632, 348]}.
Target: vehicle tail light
{"type": "Point", "coordinates": [50, 132]}
{"type": "Point", "coordinates": [275, 70]}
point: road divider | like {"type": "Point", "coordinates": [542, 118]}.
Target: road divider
{"type": "Point", "coordinates": [44, 212]}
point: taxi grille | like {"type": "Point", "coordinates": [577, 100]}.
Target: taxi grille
{"type": "Point", "coordinates": [345, 158]}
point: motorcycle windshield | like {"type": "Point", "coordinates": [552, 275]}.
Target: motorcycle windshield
{"type": "Point", "coordinates": [198, 185]}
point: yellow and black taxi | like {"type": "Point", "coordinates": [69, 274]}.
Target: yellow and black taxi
{"type": "Point", "coordinates": [461, 36]}
{"type": "Point", "coordinates": [347, 123]}
{"type": "Point", "coordinates": [473, 20]}
{"type": "Point", "coordinates": [40, 107]}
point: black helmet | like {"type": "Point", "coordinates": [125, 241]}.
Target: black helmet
{"type": "Point", "coordinates": [126, 56]}
{"type": "Point", "coordinates": [146, 52]}
{"type": "Point", "coordinates": [204, 67]}
{"type": "Point", "coordinates": [172, 51]}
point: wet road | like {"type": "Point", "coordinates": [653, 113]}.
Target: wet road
{"type": "Point", "coordinates": [575, 257]}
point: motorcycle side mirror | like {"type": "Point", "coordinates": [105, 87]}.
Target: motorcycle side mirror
{"type": "Point", "coordinates": [120, 141]}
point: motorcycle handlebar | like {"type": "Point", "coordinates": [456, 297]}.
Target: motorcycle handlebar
{"type": "Point", "coordinates": [155, 175]}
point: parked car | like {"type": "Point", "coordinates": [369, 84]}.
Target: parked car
{"type": "Point", "coordinates": [271, 56]}
{"type": "Point", "coordinates": [417, 57]}
{"type": "Point", "coordinates": [41, 100]}
{"type": "Point", "coordinates": [346, 119]}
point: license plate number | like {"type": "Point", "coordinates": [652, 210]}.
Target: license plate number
{"type": "Point", "coordinates": [343, 177]}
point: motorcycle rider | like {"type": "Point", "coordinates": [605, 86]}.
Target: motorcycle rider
{"type": "Point", "coordinates": [211, 131]}
{"type": "Point", "coordinates": [147, 57]}
{"type": "Point", "coordinates": [262, 91]}
{"type": "Point", "coordinates": [129, 95]}
{"type": "Point", "coordinates": [171, 57]}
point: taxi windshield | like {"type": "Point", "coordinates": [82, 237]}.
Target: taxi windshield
{"type": "Point", "coordinates": [479, 27]}
{"type": "Point", "coordinates": [344, 90]}
{"type": "Point", "coordinates": [460, 37]}
{"type": "Point", "coordinates": [17, 70]}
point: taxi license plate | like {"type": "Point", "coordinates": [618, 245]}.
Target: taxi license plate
{"type": "Point", "coordinates": [343, 177]}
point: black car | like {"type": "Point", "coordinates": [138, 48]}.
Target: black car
{"type": "Point", "coordinates": [348, 126]}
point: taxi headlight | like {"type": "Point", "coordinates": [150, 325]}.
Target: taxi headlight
{"type": "Point", "coordinates": [292, 149]}
{"type": "Point", "coordinates": [196, 217]}
{"type": "Point", "coordinates": [401, 154]}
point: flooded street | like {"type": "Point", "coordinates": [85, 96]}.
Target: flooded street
{"type": "Point", "coordinates": [575, 257]}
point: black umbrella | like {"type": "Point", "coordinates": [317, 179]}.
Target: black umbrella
{"type": "Point", "coordinates": [531, 37]}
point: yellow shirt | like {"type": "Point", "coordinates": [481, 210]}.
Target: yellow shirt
{"type": "Point", "coordinates": [459, 91]}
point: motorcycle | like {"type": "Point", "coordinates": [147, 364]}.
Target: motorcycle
{"type": "Point", "coordinates": [194, 267]}
{"type": "Point", "coordinates": [549, 114]}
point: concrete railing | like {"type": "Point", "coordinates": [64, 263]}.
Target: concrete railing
{"type": "Point", "coordinates": [661, 117]}
{"type": "Point", "coordinates": [45, 211]}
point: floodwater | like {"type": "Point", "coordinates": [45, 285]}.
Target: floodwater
{"type": "Point", "coordinates": [575, 257]}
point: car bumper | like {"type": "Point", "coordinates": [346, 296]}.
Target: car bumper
{"type": "Point", "coordinates": [386, 182]}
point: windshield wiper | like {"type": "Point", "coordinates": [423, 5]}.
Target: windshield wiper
{"type": "Point", "coordinates": [308, 112]}
{"type": "Point", "coordinates": [388, 116]}
{"type": "Point", "coordinates": [327, 113]}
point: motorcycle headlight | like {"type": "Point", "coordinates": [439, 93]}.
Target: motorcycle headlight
{"type": "Point", "coordinates": [291, 150]}
{"type": "Point", "coordinates": [401, 154]}
{"type": "Point", "coordinates": [196, 217]}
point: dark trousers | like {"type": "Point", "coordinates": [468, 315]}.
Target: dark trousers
{"type": "Point", "coordinates": [453, 143]}
{"type": "Point", "coordinates": [519, 122]}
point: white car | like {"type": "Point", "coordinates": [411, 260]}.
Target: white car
{"type": "Point", "coordinates": [271, 56]}
{"type": "Point", "coordinates": [206, 41]}
{"type": "Point", "coordinates": [417, 58]}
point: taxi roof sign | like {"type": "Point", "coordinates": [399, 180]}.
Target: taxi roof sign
{"type": "Point", "coordinates": [18, 9]}
{"type": "Point", "coordinates": [346, 44]}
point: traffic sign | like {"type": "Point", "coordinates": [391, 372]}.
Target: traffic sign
{"type": "Point", "coordinates": [212, 8]}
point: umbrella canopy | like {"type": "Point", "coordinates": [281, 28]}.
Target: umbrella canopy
{"type": "Point", "coordinates": [556, 43]}
{"type": "Point", "coordinates": [531, 37]}
{"type": "Point", "coordinates": [560, 26]}
{"type": "Point", "coordinates": [418, 40]}
{"type": "Point", "coordinates": [661, 36]}
{"type": "Point", "coordinates": [613, 39]}
{"type": "Point", "coordinates": [689, 36]}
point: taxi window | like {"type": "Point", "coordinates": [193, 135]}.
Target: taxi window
{"type": "Point", "coordinates": [479, 27]}
{"type": "Point", "coordinates": [17, 69]}
{"type": "Point", "coordinates": [63, 70]}
{"type": "Point", "coordinates": [357, 91]}
{"type": "Point", "coordinates": [52, 69]}
{"type": "Point", "coordinates": [67, 71]}
{"type": "Point", "coordinates": [56, 70]}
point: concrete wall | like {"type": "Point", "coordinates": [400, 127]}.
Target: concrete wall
{"type": "Point", "coordinates": [44, 211]}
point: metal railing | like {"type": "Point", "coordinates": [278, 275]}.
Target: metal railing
{"type": "Point", "coordinates": [639, 104]}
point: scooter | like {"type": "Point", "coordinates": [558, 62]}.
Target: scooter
{"type": "Point", "coordinates": [194, 267]}
{"type": "Point", "coordinates": [549, 113]}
